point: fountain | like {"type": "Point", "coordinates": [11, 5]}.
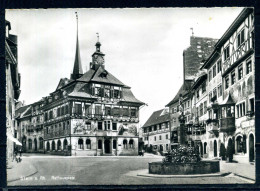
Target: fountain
{"type": "Point", "coordinates": [184, 159]}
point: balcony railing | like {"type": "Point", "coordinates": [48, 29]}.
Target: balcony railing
{"type": "Point", "coordinates": [227, 124]}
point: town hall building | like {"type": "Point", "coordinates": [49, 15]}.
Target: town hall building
{"type": "Point", "coordinates": [91, 113]}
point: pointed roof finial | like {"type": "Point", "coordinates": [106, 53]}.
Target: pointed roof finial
{"type": "Point", "coordinates": [97, 37]}
{"type": "Point", "coordinates": [192, 31]}
{"type": "Point", "coordinates": [77, 69]}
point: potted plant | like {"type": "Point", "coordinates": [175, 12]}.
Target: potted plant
{"type": "Point", "coordinates": [222, 152]}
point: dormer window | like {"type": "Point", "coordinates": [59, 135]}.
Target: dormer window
{"type": "Point", "coordinates": [103, 74]}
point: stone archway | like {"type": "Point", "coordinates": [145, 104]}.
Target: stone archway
{"type": "Point", "coordinates": [251, 148]}
{"type": "Point", "coordinates": [107, 143]}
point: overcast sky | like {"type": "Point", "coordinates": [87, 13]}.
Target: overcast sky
{"type": "Point", "coordinates": [143, 47]}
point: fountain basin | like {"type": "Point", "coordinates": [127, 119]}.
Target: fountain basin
{"type": "Point", "coordinates": [202, 167]}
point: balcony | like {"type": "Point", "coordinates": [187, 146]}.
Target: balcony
{"type": "Point", "coordinates": [213, 127]}
{"type": "Point", "coordinates": [227, 124]}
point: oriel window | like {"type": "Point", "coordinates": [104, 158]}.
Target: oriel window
{"type": "Point", "coordinates": [125, 112]}
{"type": "Point", "coordinates": [133, 112]}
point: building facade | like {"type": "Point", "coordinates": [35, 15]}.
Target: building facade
{"type": "Point", "coordinates": [156, 131]}
{"type": "Point", "coordinates": [218, 93]}
{"type": "Point", "coordinates": [91, 113]}
{"type": "Point", "coordinates": [12, 88]}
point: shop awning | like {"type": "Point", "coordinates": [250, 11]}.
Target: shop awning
{"type": "Point", "coordinates": [11, 138]}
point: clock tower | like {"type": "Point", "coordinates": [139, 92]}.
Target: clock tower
{"type": "Point", "coordinates": [97, 57]}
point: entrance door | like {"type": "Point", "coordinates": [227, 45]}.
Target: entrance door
{"type": "Point", "coordinates": [107, 146]}
{"type": "Point", "coordinates": [201, 149]}
{"type": "Point", "coordinates": [251, 148]}
{"type": "Point", "coordinates": [35, 145]}
{"type": "Point", "coordinates": [215, 149]}
{"type": "Point", "coordinates": [24, 144]}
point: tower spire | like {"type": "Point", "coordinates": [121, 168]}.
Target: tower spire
{"type": "Point", "coordinates": [77, 69]}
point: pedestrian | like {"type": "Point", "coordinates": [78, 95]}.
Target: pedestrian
{"type": "Point", "coordinates": [20, 152]}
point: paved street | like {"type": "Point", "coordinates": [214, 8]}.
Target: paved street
{"type": "Point", "coordinates": [53, 170]}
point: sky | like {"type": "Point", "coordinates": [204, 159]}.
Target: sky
{"type": "Point", "coordinates": [143, 47]}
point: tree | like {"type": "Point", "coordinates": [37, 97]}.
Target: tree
{"type": "Point", "coordinates": [222, 152]}
{"type": "Point", "coordinates": [230, 151]}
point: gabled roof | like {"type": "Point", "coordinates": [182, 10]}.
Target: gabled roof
{"type": "Point", "coordinates": [128, 96]}
{"type": "Point", "coordinates": [184, 89]}
{"type": "Point", "coordinates": [199, 80]}
{"type": "Point", "coordinates": [100, 75]}
{"type": "Point", "coordinates": [79, 91]}
{"type": "Point", "coordinates": [20, 110]}
{"type": "Point", "coordinates": [63, 82]}
{"type": "Point", "coordinates": [157, 118]}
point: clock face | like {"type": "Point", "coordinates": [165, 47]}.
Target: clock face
{"type": "Point", "coordinates": [100, 60]}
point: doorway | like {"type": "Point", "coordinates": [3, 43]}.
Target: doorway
{"type": "Point", "coordinates": [24, 144]}
{"type": "Point", "coordinates": [201, 149]}
{"type": "Point", "coordinates": [107, 146]}
{"type": "Point", "coordinates": [215, 149]}
{"type": "Point", "coordinates": [35, 144]}
{"type": "Point", "coordinates": [251, 148]}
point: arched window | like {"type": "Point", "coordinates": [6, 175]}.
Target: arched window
{"type": "Point", "coordinates": [131, 143]}
{"type": "Point", "coordinates": [205, 148]}
{"type": "Point", "coordinates": [65, 144]}
{"type": "Point", "coordinates": [41, 143]}
{"type": "Point", "coordinates": [53, 146]}
{"type": "Point", "coordinates": [114, 144]}
{"type": "Point", "coordinates": [80, 143]}
{"type": "Point", "coordinates": [125, 143]}
{"type": "Point", "coordinates": [99, 144]}
{"type": "Point", "coordinates": [30, 144]}
{"type": "Point", "coordinates": [48, 146]}
{"type": "Point", "coordinates": [59, 145]}
{"type": "Point", "coordinates": [88, 143]}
